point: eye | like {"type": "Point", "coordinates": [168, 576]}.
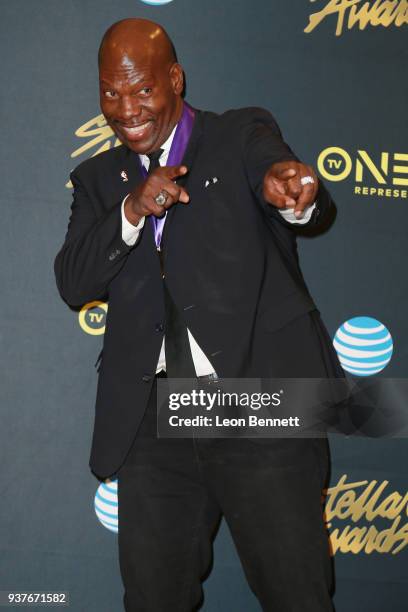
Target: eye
{"type": "Point", "coordinates": [146, 91]}
{"type": "Point", "coordinates": [110, 94]}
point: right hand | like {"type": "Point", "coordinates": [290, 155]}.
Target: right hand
{"type": "Point", "coordinates": [141, 202]}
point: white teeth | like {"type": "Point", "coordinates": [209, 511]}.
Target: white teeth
{"type": "Point", "coordinates": [134, 131]}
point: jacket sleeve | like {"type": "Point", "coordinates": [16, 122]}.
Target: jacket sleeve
{"type": "Point", "coordinates": [93, 251]}
{"type": "Point", "coordinates": [263, 145]}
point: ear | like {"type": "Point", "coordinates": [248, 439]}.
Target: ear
{"type": "Point", "coordinates": [177, 78]}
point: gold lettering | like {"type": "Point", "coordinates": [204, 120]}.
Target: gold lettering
{"type": "Point", "coordinates": [381, 193]}
{"type": "Point", "coordinates": [358, 539]}
{"type": "Point", "coordinates": [99, 129]}
{"type": "Point", "coordinates": [334, 163]}
{"type": "Point", "coordinates": [95, 317]}
{"type": "Point", "coordinates": [342, 501]}
{"type": "Point", "coordinates": [403, 535]}
{"type": "Point", "coordinates": [359, 507]}
{"type": "Point", "coordinates": [360, 16]}
{"type": "Point", "coordinates": [392, 506]}
{"type": "Point", "coordinates": [385, 14]}
{"type": "Point", "coordinates": [378, 13]}
{"type": "Point", "coordinates": [345, 504]}
{"type": "Point", "coordinates": [332, 493]}
{"type": "Point", "coordinates": [372, 167]}
{"type": "Point", "coordinates": [334, 6]}
{"type": "Point", "coordinates": [401, 157]}
{"type": "Point", "coordinates": [349, 540]}
{"type": "Point", "coordinates": [369, 509]}
{"type": "Point", "coordinates": [402, 14]}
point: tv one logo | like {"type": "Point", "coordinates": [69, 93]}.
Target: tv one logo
{"type": "Point", "coordinates": [382, 175]}
{"type": "Point", "coordinates": [92, 318]}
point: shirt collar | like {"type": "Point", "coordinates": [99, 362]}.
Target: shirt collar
{"type": "Point", "coordinates": [166, 146]}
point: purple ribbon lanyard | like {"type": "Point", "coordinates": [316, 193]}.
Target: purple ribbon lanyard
{"type": "Point", "coordinates": [176, 154]}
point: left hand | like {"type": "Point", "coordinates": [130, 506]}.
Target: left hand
{"type": "Point", "coordinates": [282, 186]}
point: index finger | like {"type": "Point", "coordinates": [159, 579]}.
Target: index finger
{"type": "Point", "coordinates": [309, 193]}
{"type": "Point", "coordinates": [291, 167]}
{"type": "Point", "coordinates": [286, 173]}
{"type": "Point", "coordinates": [306, 198]}
{"type": "Point", "coordinates": [172, 172]}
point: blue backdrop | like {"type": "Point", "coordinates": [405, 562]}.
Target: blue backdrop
{"type": "Point", "coordinates": [336, 82]}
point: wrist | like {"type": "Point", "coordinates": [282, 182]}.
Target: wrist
{"type": "Point", "coordinates": [130, 215]}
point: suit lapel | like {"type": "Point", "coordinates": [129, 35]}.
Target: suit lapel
{"type": "Point", "coordinates": [129, 170]}
{"type": "Point", "coordinates": [188, 160]}
{"type": "Point", "coordinates": [132, 166]}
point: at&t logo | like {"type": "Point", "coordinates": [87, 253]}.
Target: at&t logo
{"type": "Point", "coordinates": [157, 2]}
{"type": "Point", "coordinates": [364, 346]}
{"type": "Point", "coordinates": [386, 172]}
{"type": "Point", "coordinates": [106, 504]}
{"type": "Point", "coordinates": [92, 318]}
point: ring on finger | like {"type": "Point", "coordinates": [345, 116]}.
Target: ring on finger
{"type": "Point", "coordinates": [305, 180]}
{"type": "Point", "coordinates": [162, 197]}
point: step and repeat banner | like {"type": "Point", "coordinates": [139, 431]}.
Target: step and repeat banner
{"type": "Point", "coordinates": [333, 73]}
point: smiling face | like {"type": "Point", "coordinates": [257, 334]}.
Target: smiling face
{"type": "Point", "coordinates": [140, 91]}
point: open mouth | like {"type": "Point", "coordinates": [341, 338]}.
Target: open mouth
{"type": "Point", "coordinates": [136, 132]}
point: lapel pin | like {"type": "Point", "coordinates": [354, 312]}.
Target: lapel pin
{"type": "Point", "coordinates": [124, 176]}
{"type": "Point", "coordinates": [213, 180]}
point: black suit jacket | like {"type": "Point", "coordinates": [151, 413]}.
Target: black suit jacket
{"type": "Point", "coordinates": [230, 263]}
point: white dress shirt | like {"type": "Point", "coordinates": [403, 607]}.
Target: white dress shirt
{"type": "Point", "coordinates": [130, 234]}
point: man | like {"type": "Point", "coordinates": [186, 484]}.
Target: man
{"type": "Point", "coordinates": [188, 230]}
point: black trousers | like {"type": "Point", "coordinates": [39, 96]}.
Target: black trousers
{"type": "Point", "coordinates": [173, 492]}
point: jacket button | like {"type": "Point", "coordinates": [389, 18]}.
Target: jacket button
{"type": "Point", "coordinates": [159, 327]}
{"type": "Point", "coordinates": [146, 377]}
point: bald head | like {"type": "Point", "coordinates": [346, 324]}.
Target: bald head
{"type": "Point", "coordinates": [138, 38]}
{"type": "Point", "coordinates": [141, 83]}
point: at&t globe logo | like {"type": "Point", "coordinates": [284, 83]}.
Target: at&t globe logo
{"type": "Point", "coordinates": [364, 346]}
{"type": "Point", "coordinates": [156, 2]}
{"type": "Point", "coordinates": [106, 505]}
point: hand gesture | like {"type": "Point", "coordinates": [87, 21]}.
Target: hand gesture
{"type": "Point", "coordinates": [291, 184]}
{"type": "Point", "coordinates": [156, 193]}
